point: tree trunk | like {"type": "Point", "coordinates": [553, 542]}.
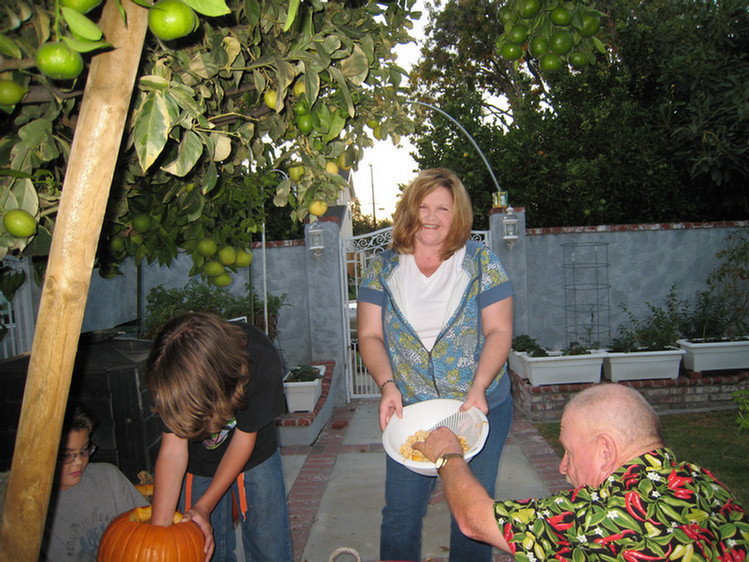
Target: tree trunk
{"type": "Point", "coordinates": [88, 178]}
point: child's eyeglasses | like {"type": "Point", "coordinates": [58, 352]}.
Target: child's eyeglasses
{"type": "Point", "coordinates": [70, 456]}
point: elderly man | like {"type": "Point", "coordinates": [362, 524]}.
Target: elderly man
{"type": "Point", "coordinates": [632, 500]}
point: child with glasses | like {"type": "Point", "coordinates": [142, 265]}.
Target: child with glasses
{"type": "Point", "coordinates": [86, 497]}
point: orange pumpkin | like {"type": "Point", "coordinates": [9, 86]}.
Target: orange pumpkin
{"type": "Point", "coordinates": [131, 538]}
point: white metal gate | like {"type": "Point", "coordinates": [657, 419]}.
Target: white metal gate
{"type": "Point", "coordinates": [17, 316]}
{"type": "Point", "coordinates": [356, 253]}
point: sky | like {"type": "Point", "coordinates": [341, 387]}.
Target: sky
{"type": "Point", "coordinates": [390, 165]}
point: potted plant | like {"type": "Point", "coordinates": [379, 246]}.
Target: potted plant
{"type": "Point", "coordinates": [575, 364]}
{"type": "Point", "coordinates": [646, 348]}
{"type": "Point", "coordinates": [302, 386]}
{"type": "Point", "coordinates": [715, 326]}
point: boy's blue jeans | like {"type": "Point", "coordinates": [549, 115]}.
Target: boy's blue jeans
{"type": "Point", "coordinates": [407, 498]}
{"type": "Point", "coordinates": [265, 527]}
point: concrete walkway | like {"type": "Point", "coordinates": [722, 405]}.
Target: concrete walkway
{"type": "Point", "coordinates": [336, 486]}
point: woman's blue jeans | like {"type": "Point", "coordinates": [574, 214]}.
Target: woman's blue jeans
{"type": "Point", "coordinates": [407, 499]}
{"type": "Point", "coordinates": [265, 527]}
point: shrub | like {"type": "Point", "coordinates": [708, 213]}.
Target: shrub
{"type": "Point", "coordinates": [164, 304]}
{"type": "Point", "coordinates": [658, 331]}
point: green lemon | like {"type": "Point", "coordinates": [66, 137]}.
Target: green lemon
{"type": "Point", "coordinates": [305, 123]}
{"type": "Point", "coordinates": [223, 280]}
{"type": "Point", "coordinates": [270, 98]}
{"type": "Point", "coordinates": [11, 92]}
{"type": "Point", "coordinates": [227, 255]}
{"type": "Point", "coordinates": [171, 19]}
{"type": "Point", "coordinates": [299, 87]}
{"type": "Point", "coordinates": [560, 16]}
{"type": "Point", "coordinates": [538, 46]}
{"type": "Point", "coordinates": [244, 258]}
{"type": "Point", "coordinates": [505, 15]}
{"type": "Point", "coordinates": [518, 33]}
{"type": "Point", "coordinates": [81, 6]}
{"type": "Point", "coordinates": [578, 59]}
{"type": "Point", "coordinates": [58, 61]}
{"type": "Point", "coordinates": [550, 63]}
{"type": "Point", "coordinates": [591, 25]}
{"type": "Point", "coordinates": [207, 247]}
{"type": "Point", "coordinates": [19, 223]}
{"type": "Point", "coordinates": [212, 268]}
{"type": "Point", "coordinates": [136, 237]}
{"type": "Point", "coordinates": [142, 223]}
{"type": "Point", "coordinates": [512, 51]}
{"type": "Point", "coordinates": [296, 172]}
{"type": "Point", "coordinates": [529, 8]}
{"type": "Point", "coordinates": [561, 42]}
{"type": "Point", "coordinates": [301, 108]}
{"type": "Point", "coordinates": [116, 244]}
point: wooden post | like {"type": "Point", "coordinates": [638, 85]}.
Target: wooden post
{"type": "Point", "coordinates": [93, 155]}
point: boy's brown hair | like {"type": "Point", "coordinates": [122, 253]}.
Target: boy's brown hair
{"type": "Point", "coordinates": [407, 221]}
{"type": "Point", "coordinates": [197, 373]}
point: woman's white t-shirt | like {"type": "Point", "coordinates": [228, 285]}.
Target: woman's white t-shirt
{"type": "Point", "coordinates": [429, 302]}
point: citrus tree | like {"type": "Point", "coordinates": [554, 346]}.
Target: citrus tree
{"type": "Point", "coordinates": [238, 104]}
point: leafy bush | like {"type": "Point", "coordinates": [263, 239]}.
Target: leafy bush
{"type": "Point", "coordinates": [164, 304]}
{"type": "Point", "coordinates": [658, 331]}
{"type": "Point", "coordinates": [741, 397]}
{"type": "Point", "coordinates": [722, 312]}
{"type": "Point", "coordinates": [303, 373]}
{"type": "Point", "coordinates": [528, 345]}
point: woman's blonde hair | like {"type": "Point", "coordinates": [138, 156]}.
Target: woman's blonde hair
{"type": "Point", "coordinates": [197, 373]}
{"type": "Point", "coordinates": [406, 220]}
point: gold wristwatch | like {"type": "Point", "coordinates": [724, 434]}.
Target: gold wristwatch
{"type": "Point", "coordinates": [442, 461]}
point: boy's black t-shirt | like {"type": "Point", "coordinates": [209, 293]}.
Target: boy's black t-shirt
{"type": "Point", "coordinates": [265, 402]}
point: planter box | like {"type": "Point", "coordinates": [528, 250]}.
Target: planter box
{"type": "Point", "coordinates": [715, 356]}
{"type": "Point", "coordinates": [642, 365]}
{"type": "Point", "coordinates": [557, 369]}
{"type": "Point", "coordinates": [303, 396]}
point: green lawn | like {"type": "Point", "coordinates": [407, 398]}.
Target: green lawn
{"type": "Point", "coordinates": [710, 439]}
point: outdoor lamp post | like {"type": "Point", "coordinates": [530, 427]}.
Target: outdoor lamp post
{"type": "Point", "coordinates": [316, 242]}
{"type": "Point", "coordinates": [510, 227]}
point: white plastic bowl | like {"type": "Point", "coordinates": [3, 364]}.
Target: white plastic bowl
{"type": "Point", "coordinates": [472, 425]}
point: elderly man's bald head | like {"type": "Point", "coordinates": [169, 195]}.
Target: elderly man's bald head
{"type": "Point", "coordinates": [619, 411]}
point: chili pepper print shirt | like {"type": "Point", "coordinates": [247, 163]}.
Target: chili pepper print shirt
{"type": "Point", "coordinates": [652, 509]}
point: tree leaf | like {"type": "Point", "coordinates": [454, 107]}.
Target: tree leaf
{"type": "Point", "coordinates": [233, 48]}
{"type": "Point", "coordinates": [153, 82]}
{"type": "Point", "coordinates": [204, 65]}
{"type": "Point", "coordinates": [188, 153]}
{"type": "Point", "coordinates": [252, 11]}
{"type": "Point", "coordinates": [221, 146]}
{"type": "Point", "coordinates": [355, 66]}
{"type": "Point", "coordinates": [210, 8]}
{"type": "Point", "coordinates": [80, 25]}
{"type": "Point", "coordinates": [151, 128]}
{"type": "Point", "coordinates": [285, 75]}
{"type": "Point", "coordinates": [341, 81]}
{"type": "Point", "coordinates": [9, 48]}
{"type": "Point", "coordinates": [85, 46]}
{"type": "Point", "coordinates": [291, 14]}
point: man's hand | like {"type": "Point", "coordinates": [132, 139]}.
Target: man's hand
{"type": "Point", "coordinates": [440, 441]}
{"type": "Point", "coordinates": [203, 520]}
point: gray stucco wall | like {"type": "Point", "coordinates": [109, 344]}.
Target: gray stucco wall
{"type": "Point", "coordinates": [644, 261]}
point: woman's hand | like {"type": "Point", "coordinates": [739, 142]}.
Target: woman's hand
{"type": "Point", "coordinates": [203, 520]}
{"type": "Point", "coordinates": [390, 403]}
{"type": "Point", "coordinates": [475, 397]}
